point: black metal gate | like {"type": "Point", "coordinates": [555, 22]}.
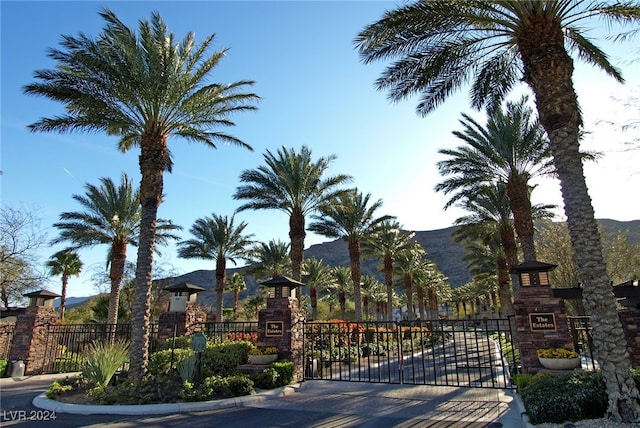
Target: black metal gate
{"type": "Point", "coordinates": [471, 353]}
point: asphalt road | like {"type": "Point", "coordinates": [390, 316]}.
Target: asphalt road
{"type": "Point", "coordinates": [321, 404]}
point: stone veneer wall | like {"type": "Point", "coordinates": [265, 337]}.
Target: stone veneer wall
{"type": "Point", "coordinates": [290, 344]}
{"type": "Point", "coordinates": [630, 319]}
{"type": "Point", "coordinates": [539, 300]}
{"type": "Point", "coordinates": [30, 337]}
{"type": "Point", "coordinates": [187, 322]}
{"type": "Point", "coordinates": [5, 339]}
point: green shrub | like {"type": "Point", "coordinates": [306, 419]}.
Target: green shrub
{"type": "Point", "coordinates": [3, 367]}
{"type": "Point", "coordinates": [222, 359]}
{"type": "Point", "coordinates": [285, 371]}
{"type": "Point", "coordinates": [565, 397]}
{"type": "Point", "coordinates": [266, 379]}
{"type": "Point", "coordinates": [103, 360]}
{"type": "Point", "coordinates": [160, 362]}
{"type": "Point", "coordinates": [181, 342]}
{"type": "Point", "coordinates": [56, 389]}
{"type": "Point", "coordinates": [279, 373]}
{"type": "Point", "coordinates": [215, 387]}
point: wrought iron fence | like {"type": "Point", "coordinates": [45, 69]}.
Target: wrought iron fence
{"type": "Point", "coordinates": [580, 330]}
{"type": "Point", "coordinates": [220, 331]}
{"type": "Point", "coordinates": [66, 344]}
{"type": "Point", "coordinates": [436, 352]}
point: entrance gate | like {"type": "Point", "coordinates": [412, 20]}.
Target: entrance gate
{"type": "Point", "coordinates": [470, 353]}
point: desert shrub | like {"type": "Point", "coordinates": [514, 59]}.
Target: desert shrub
{"type": "Point", "coordinates": [187, 367]}
{"type": "Point", "coordinates": [103, 360]}
{"type": "Point", "coordinates": [565, 397]}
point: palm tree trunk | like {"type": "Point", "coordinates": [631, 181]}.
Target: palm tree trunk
{"type": "Point", "coordinates": [342, 298]}
{"type": "Point", "coordinates": [408, 287]}
{"type": "Point", "coordinates": [520, 204]}
{"type": "Point", "coordinates": [388, 281]}
{"type": "Point", "coordinates": [354, 256]}
{"type": "Point", "coordinates": [153, 162]}
{"type": "Point", "coordinates": [63, 295]}
{"type": "Point", "coordinates": [116, 272]}
{"type": "Point", "coordinates": [549, 73]}
{"type": "Point", "coordinates": [313, 292]}
{"type": "Point", "coordinates": [236, 294]}
{"type": "Point", "coordinates": [421, 310]}
{"type": "Point", "coordinates": [297, 235]}
{"type": "Point", "coordinates": [221, 273]}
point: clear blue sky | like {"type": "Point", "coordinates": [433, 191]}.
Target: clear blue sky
{"type": "Point", "coordinates": [314, 91]}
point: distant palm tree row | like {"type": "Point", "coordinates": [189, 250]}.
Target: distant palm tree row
{"type": "Point", "coordinates": [146, 88]}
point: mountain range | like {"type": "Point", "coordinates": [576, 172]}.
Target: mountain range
{"type": "Point", "coordinates": [440, 246]}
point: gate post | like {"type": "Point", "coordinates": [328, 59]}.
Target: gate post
{"type": "Point", "coordinates": [280, 324]}
{"type": "Point", "coordinates": [540, 318]}
{"type": "Point", "coordinates": [185, 315]}
{"type": "Point", "coordinates": [31, 331]}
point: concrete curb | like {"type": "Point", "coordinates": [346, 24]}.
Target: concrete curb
{"type": "Point", "coordinates": [523, 412]}
{"type": "Point", "coordinates": [42, 402]}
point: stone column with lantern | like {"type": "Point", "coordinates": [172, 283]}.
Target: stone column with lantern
{"type": "Point", "coordinates": [540, 317]}
{"type": "Point", "coordinates": [32, 329]}
{"type": "Point", "coordinates": [280, 324]}
{"type": "Point", "coordinates": [184, 315]}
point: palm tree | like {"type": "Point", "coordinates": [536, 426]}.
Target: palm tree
{"type": "Point", "coordinates": [64, 263]}
{"type": "Point", "coordinates": [145, 88]}
{"type": "Point", "coordinates": [270, 260]}
{"type": "Point", "coordinates": [342, 286]}
{"type": "Point", "coordinates": [216, 238]}
{"type": "Point", "coordinates": [291, 182]}
{"type": "Point", "coordinates": [386, 243]}
{"type": "Point", "coordinates": [510, 149]}
{"type": "Point", "coordinates": [236, 284]}
{"type": "Point", "coordinates": [409, 262]}
{"type": "Point", "coordinates": [497, 44]}
{"type": "Point", "coordinates": [350, 217]}
{"type": "Point", "coordinates": [111, 216]}
{"type": "Point", "coordinates": [373, 291]}
{"type": "Point", "coordinates": [318, 277]}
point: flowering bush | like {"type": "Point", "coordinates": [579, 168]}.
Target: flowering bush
{"type": "Point", "coordinates": [250, 337]}
{"type": "Point", "coordinates": [263, 351]}
{"type": "Point", "coordinates": [557, 353]}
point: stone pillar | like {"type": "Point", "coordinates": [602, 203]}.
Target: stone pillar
{"type": "Point", "coordinates": [542, 322]}
{"type": "Point", "coordinates": [280, 324]}
{"type": "Point", "coordinates": [30, 337]}
{"type": "Point", "coordinates": [186, 323]}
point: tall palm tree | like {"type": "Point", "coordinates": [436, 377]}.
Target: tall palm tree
{"type": "Point", "coordinates": [318, 277]}
{"type": "Point", "coordinates": [111, 216]}
{"type": "Point", "coordinates": [342, 286]}
{"type": "Point", "coordinates": [65, 263]}
{"type": "Point", "coordinates": [236, 285]}
{"type": "Point", "coordinates": [217, 238]}
{"type": "Point", "coordinates": [351, 217]}
{"type": "Point", "coordinates": [386, 243]}
{"type": "Point", "coordinates": [373, 291]}
{"type": "Point", "coordinates": [144, 88]}
{"type": "Point", "coordinates": [270, 259]}
{"type": "Point", "coordinates": [496, 44]}
{"type": "Point", "coordinates": [291, 182]}
{"type": "Point", "coordinates": [511, 149]}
